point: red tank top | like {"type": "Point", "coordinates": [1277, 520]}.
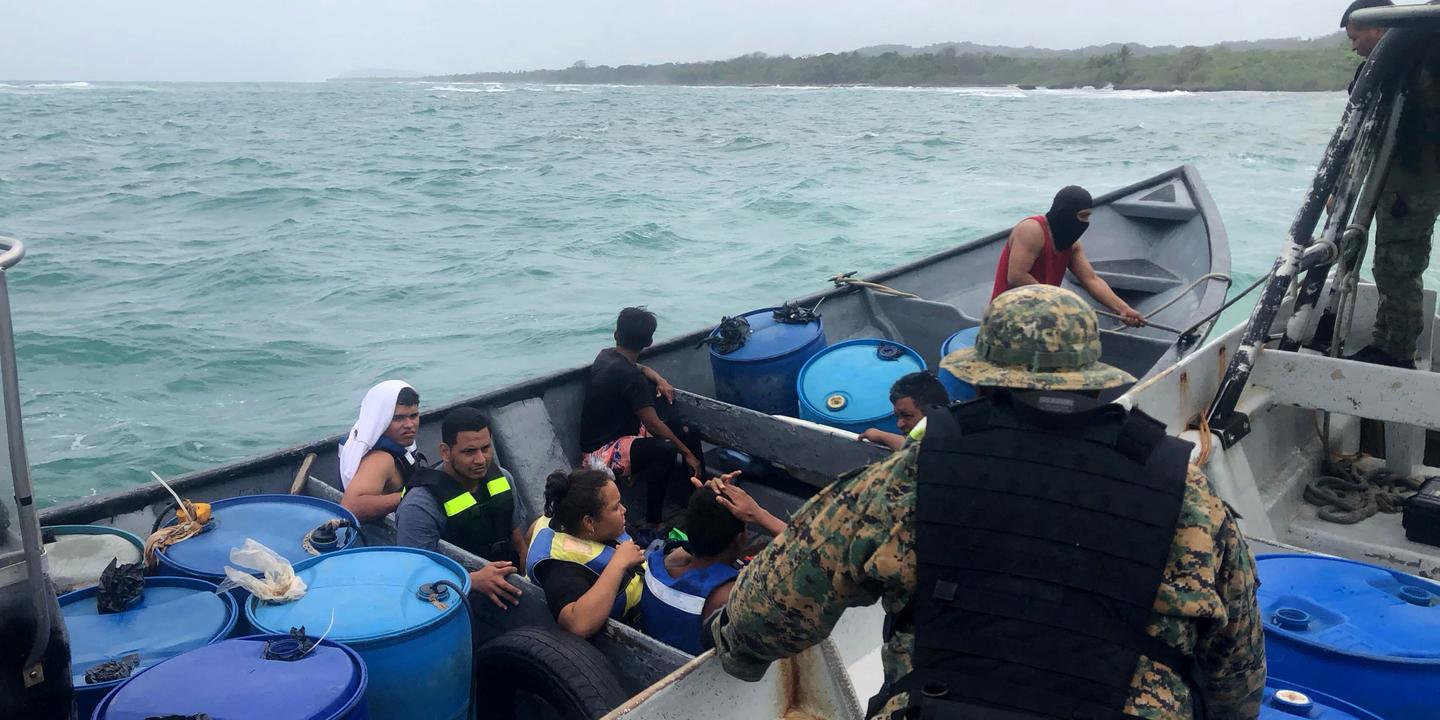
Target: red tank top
{"type": "Point", "coordinates": [1049, 267]}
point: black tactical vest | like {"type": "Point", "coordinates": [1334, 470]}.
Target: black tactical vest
{"type": "Point", "coordinates": [479, 522]}
{"type": "Point", "coordinates": [1042, 539]}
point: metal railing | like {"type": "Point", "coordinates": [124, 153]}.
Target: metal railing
{"type": "Point", "coordinates": [12, 251]}
{"type": "Point", "coordinates": [1347, 160]}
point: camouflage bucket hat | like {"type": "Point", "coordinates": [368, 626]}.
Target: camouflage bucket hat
{"type": "Point", "coordinates": [1037, 337]}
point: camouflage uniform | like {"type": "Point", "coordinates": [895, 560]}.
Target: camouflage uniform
{"type": "Point", "coordinates": [1405, 217]}
{"type": "Point", "coordinates": [853, 544]}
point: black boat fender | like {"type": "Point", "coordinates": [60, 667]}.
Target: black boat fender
{"type": "Point", "coordinates": [525, 670]}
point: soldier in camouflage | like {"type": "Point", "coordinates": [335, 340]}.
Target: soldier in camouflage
{"type": "Point", "coordinates": [858, 541]}
{"type": "Point", "coordinates": [1409, 202]}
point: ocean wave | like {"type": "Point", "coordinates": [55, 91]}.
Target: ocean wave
{"type": "Point", "coordinates": [481, 89]}
{"type": "Point", "coordinates": [746, 142]}
{"type": "Point", "coordinates": [1111, 93]}
{"type": "Point", "coordinates": [981, 92]}
{"type": "Point", "coordinates": [65, 85]}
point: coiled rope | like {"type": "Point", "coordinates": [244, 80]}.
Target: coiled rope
{"type": "Point", "coordinates": [1346, 495]}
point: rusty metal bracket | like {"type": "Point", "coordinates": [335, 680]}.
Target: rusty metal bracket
{"type": "Point", "coordinates": [1231, 428]}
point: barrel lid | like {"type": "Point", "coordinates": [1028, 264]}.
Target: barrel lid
{"type": "Point", "coordinates": [1350, 607]}
{"type": "Point", "coordinates": [278, 522]}
{"type": "Point", "coordinates": [371, 593]}
{"type": "Point", "coordinates": [850, 382]}
{"type": "Point", "coordinates": [232, 679]}
{"type": "Point", "coordinates": [769, 339]}
{"type": "Point", "coordinates": [959, 341]}
{"type": "Point", "coordinates": [77, 554]}
{"type": "Point", "coordinates": [174, 616]}
{"type": "Point", "coordinates": [1286, 701]}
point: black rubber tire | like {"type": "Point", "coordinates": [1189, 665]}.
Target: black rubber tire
{"type": "Point", "coordinates": [571, 675]}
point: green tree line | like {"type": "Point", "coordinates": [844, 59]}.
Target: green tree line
{"type": "Point", "coordinates": [1328, 67]}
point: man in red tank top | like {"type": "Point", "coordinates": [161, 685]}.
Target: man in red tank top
{"type": "Point", "coordinates": [1043, 247]}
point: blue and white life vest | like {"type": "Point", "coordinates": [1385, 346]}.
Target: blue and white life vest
{"type": "Point", "coordinates": [672, 606]}
{"type": "Point", "coordinates": [547, 545]}
{"type": "Point", "coordinates": [406, 460]}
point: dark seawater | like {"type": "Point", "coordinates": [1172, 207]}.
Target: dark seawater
{"type": "Point", "coordinates": [220, 270]}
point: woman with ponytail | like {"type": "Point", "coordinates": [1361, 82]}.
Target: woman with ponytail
{"type": "Point", "coordinates": [582, 557]}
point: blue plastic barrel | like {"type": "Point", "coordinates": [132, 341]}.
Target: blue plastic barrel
{"type": "Point", "coordinates": [1287, 701]}
{"type": "Point", "coordinates": [848, 385]}
{"type": "Point", "coordinates": [279, 522]}
{"type": "Point", "coordinates": [77, 554]}
{"type": "Point", "coordinates": [418, 655]}
{"type": "Point", "coordinates": [173, 616]}
{"type": "Point", "coordinates": [761, 374]}
{"type": "Point", "coordinates": [958, 389]}
{"type": "Point", "coordinates": [1365, 634]}
{"type": "Point", "coordinates": [234, 679]}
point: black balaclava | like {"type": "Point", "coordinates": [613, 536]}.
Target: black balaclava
{"type": "Point", "coordinates": [1065, 228]}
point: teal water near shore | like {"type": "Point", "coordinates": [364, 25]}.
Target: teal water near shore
{"type": "Point", "coordinates": [216, 271]}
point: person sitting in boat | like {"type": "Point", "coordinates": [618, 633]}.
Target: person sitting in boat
{"type": "Point", "coordinates": [628, 423]}
{"type": "Point", "coordinates": [470, 502]}
{"type": "Point", "coordinates": [688, 580]}
{"type": "Point", "coordinates": [378, 456]}
{"type": "Point", "coordinates": [581, 556]}
{"type": "Point", "coordinates": [1043, 247]}
{"type": "Point", "coordinates": [912, 396]}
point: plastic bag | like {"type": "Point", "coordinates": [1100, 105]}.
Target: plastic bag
{"type": "Point", "coordinates": [120, 587]}
{"type": "Point", "coordinates": [117, 669]}
{"type": "Point", "coordinates": [277, 584]}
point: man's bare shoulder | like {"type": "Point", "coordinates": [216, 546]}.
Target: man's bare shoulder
{"type": "Point", "coordinates": [1028, 231]}
{"type": "Point", "coordinates": [376, 473]}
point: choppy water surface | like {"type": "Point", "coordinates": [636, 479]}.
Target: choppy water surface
{"type": "Point", "coordinates": [220, 270]}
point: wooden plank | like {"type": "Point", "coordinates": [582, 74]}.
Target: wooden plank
{"type": "Point", "coordinates": [813, 456]}
{"type": "Point", "coordinates": [1346, 387]}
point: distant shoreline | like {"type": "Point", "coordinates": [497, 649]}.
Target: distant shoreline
{"type": "Point", "coordinates": [1023, 88]}
{"type": "Point", "coordinates": [1315, 65]}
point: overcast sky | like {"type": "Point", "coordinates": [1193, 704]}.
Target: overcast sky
{"type": "Point", "coordinates": [315, 39]}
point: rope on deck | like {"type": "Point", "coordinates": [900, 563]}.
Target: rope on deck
{"type": "Point", "coordinates": [1346, 495]}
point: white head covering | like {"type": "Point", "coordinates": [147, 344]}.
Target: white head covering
{"type": "Point", "coordinates": [376, 412]}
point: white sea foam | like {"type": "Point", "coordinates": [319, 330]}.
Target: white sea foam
{"type": "Point", "coordinates": [1112, 94]}
{"type": "Point", "coordinates": [68, 85]}
{"type": "Point", "coordinates": [486, 88]}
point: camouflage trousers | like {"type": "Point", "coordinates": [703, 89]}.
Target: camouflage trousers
{"type": "Point", "coordinates": [1405, 222]}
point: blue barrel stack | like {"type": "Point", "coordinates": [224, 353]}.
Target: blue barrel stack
{"type": "Point", "coordinates": [279, 522]}
{"type": "Point", "coordinates": [958, 389]}
{"type": "Point", "coordinates": [847, 385]}
{"type": "Point", "coordinates": [760, 375]}
{"type": "Point", "coordinates": [418, 651]}
{"type": "Point", "coordinates": [173, 616]}
{"type": "Point", "coordinates": [239, 679]}
{"type": "Point", "coordinates": [1367, 635]}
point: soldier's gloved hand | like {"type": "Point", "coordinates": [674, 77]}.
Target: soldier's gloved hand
{"type": "Point", "coordinates": [737, 663]}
